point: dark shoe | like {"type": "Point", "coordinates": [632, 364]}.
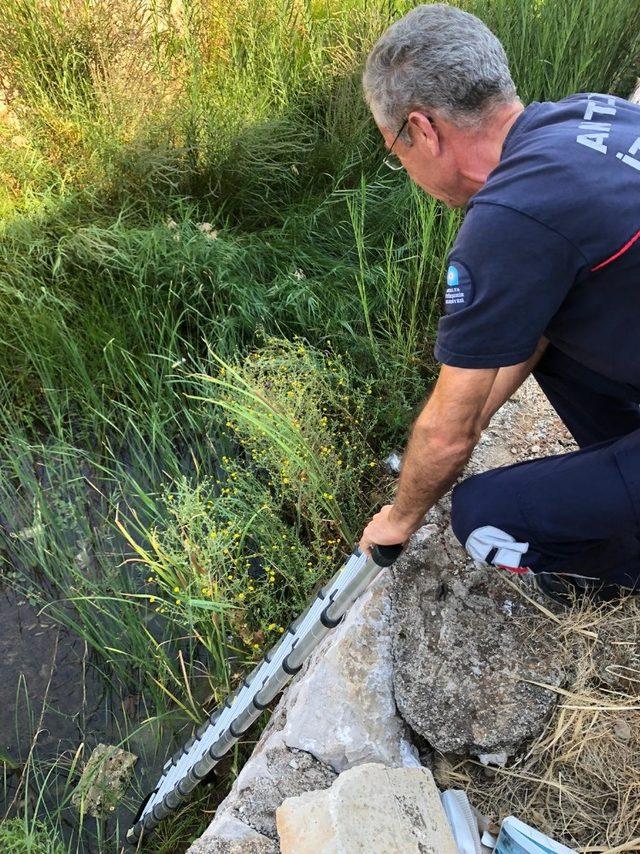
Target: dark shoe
{"type": "Point", "coordinates": [567, 590]}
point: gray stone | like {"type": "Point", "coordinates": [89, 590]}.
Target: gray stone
{"type": "Point", "coordinates": [467, 648]}
{"type": "Point", "coordinates": [369, 808]}
{"type": "Point", "coordinates": [263, 796]}
{"type": "Point", "coordinates": [622, 730]}
{"type": "Point", "coordinates": [231, 836]}
{"type": "Point", "coordinates": [247, 814]}
{"type": "Point", "coordinates": [342, 708]}
{"type": "Point", "coordinates": [105, 779]}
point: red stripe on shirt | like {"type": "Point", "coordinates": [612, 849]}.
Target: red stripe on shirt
{"type": "Point", "coordinates": [620, 252]}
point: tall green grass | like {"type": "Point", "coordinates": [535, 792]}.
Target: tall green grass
{"type": "Point", "coordinates": [180, 188]}
{"type": "Point", "coordinates": [28, 837]}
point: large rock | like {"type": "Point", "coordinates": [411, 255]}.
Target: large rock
{"type": "Point", "coordinates": [467, 649]}
{"type": "Point", "coordinates": [369, 808]}
{"type": "Point", "coordinates": [342, 710]}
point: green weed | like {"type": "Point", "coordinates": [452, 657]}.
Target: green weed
{"type": "Point", "coordinates": [20, 837]}
{"type": "Point", "coordinates": [236, 557]}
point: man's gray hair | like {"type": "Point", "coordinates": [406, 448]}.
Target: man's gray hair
{"type": "Point", "coordinates": [440, 58]}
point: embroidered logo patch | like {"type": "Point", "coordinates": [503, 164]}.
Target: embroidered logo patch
{"type": "Point", "coordinates": [459, 291]}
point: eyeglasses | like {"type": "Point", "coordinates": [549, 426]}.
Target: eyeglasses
{"type": "Point", "coordinates": [392, 160]}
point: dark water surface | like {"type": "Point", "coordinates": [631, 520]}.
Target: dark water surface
{"type": "Point", "coordinates": [55, 703]}
{"type": "Point", "coordinates": [52, 701]}
{"type": "Point", "coordinates": [40, 659]}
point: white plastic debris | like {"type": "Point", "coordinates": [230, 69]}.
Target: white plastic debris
{"type": "Point", "coordinates": [489, 840]}
{"type": "Point", "coordinates": [393, 463]}
{"type": "Point", "coordinates": [516, 837]}
{"type": "Point", "coordinates": [462, 821]}
{"type": "Point", "coordinates": [499, 759]}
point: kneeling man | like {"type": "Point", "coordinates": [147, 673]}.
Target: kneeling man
{"type": "Point", "coordinates": [543, 278]}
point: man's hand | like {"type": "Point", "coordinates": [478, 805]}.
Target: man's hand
{"type": "Point", "coordinates": [384, 530]}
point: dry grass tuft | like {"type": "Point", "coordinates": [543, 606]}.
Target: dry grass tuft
{"type": "Point", "coordinates": [580, 780]}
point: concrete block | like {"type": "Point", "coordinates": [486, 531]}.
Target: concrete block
{"type": "Point", "coordinates": [370, 808]}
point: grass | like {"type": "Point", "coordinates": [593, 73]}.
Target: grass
{"type": "Point", "coordinates": [217, 313]}
{"type": "Point", "coordinates": [24, 837]}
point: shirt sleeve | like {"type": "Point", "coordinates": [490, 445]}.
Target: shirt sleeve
{"type": "Point", "coordinates": [508, 276]}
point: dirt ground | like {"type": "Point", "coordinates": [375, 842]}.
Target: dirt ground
{"type": "Point", "coordinates": [526, 427]}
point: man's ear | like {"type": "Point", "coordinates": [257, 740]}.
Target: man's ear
{"type": "Point", "coordinates": [423, 132]}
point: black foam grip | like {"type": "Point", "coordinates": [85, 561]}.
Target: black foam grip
{"type": "Point", "coordinates": [386, 555]}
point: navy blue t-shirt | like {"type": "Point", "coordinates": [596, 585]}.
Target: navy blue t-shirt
{"type": "Point", "coordinates": [551, 244]}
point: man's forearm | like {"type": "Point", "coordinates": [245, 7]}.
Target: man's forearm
{"type": "Point", "coordinates": [445, 435]}
{"type": "Point", "coordinates": [441, 442]}
{"type": "Point", "coordinates": [508, 381]}
{"type": "Point", "coordinates": [429, 468]}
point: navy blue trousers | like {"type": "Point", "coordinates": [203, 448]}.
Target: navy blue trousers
{"type": "Point", "coordinates": [576, 513]}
